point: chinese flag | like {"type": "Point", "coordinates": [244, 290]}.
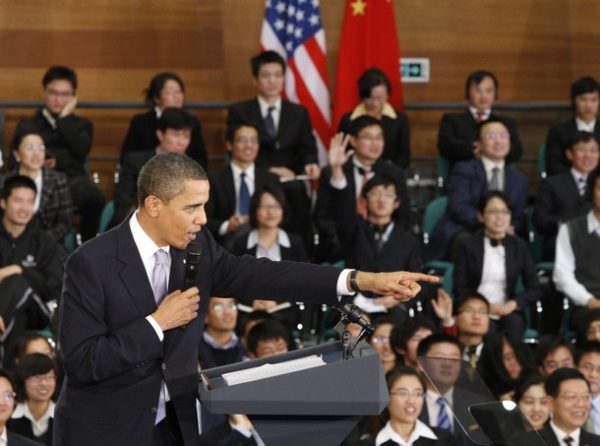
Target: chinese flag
{"type": "Point", "coordinates": [368, 39]}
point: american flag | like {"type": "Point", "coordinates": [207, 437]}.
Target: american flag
{"type": "Point", "coordinates": [293, 28]}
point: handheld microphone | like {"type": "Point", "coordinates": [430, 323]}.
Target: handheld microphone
{"type": "Point", "coordinates": [351, 313]}
{"type": "Point", "coordinates": [192, 259]}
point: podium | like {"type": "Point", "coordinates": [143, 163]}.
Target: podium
{"type": "Point", "coordinates": [315, 406]}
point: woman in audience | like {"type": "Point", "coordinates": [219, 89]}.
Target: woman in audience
{"type": "Point", "coordinates": [497, 264]}
{"type": "Point", "coordinates": [590, 329]}
{"type": "Point", "coordinates": [380, 341]}
{"type": "Point", "coordinates": [374, 89]}
{"type": "Point", "coordinates": [53, 205]}
{"type": "Point", "coordinates": [165, 90]}
{"type": "Point", "coordinates": [532, 400]}
{"type": "Point", "coordinates": [402, 425]}
{"type": "Point", "coordinates": [36, 376]}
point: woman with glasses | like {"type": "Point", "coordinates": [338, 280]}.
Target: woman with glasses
{"type": "Point", "coordinates": [380, 341]}
{"type": "Point", "coordinates": [36, 376]}
{"type": "Point", "coordinates": [497, 265]}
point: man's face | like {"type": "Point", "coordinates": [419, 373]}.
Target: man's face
{"type": "Point", "coordinates": [444, 365]}
{"type": "Point", "coordinates": [482, 95]}
{"type": "Point", "coordinates": [271, 347]}
{"type": "Point", "coordinates": [589, 366]}
{"type": "Point", "coordinates": [473, 318]}
{"type": "Point", "coordinates": [495, 141]}
{"type": "Point", "coordinates": [18, 206]}
{"type": "Point", "coordinates": [368, 145]}
{"type": "Point", "coordinates": [7, 401]}
{"type": "Point", "coordinates": [584, 156]}
{"type": "Point", "coordinates": [244, 147]}
{"type": "Point", "coordinates": [176, 223]}
{"type": "Point", "coordinates": [572, 405]}
{"type": "Point", "coordinates": [56, 95]}
{"type": "Point", "coordinates": [172, 140]}
{"type": "Point", "coordinates": [557, 358]}
{"type": "Point", "coordinates": [586, 106]}
{"type": "Point", "coordinates": [222, 314]}
{"type": "Point", "coordinates": [270, 80]}
{"type": "Point", "coordinates": [382, 201]}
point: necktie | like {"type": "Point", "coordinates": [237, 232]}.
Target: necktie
{"type": "Point", "coordinates": [581, 185]}
{"type": "Point", "coordinates": [568, 440]}
{"type": "Point", "coordinates": [495, 181]}
{"type": "Point", "coordinates": [443, 419]}
{"type": "Point", "coordinates": [472, 351]}
{"type": "Point", "coordinates": [160, 274]}
{"type": "Point", "coordinates": [479, 116]}
{"type": "Point", "coordinates": [244, 198]}
{"type": "Point", "coordinates": [270, 122]}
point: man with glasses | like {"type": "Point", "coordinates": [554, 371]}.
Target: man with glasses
{"type": "Point", "coordinates": [588, 363]}
{"type": "Point", "coordinates": [68, 141]}
{"type": "Point", "coordinates": [7, 406]}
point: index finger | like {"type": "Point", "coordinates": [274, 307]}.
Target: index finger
{"type": "Point", "coordinates": [421, 277]}
{"type": "Point", "coordinates": [191, 292]}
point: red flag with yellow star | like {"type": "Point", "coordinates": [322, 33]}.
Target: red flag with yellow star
{"type": "Point", "coordinates": [368, 39]}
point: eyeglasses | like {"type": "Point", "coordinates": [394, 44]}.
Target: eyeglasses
{"type": "Point", "coordinates": [572, 398]}
{"type": "Point", "coordinates": [371, 138]}
{"type": "Point", "coordinates": [59, 94]}
{"type": "Point", "coordinates": [243, 140]}
{"type": "Point", "coordinates": [593, 330]}
{"type": "Point", "coordinates": [492, 136]}
{"type": "Point", "coordinates": [219, 308]}
{"type": "Point", "coordinates": [34, 148]}
{"type": "Point", "coordinates": [270, 207]}
{"type": "Point", "coordinates": [171, 92]}
{"type": "Point", "coordinates": [379, 340]}
{"type": "Point", "coordinates": [403, 393]}
{"type": "Point", "coordinates": [590, 368]}
{"type": "Point", "coordinates": [385, 195]}
{"type": "Point", "coordinates": [7, 395]}
{"type": "Point", "coordinates": [472, 311]}
{"type": "Point", "coordinates": [497, 212]}
{"type": "Point", "coordinates": [39, 379]}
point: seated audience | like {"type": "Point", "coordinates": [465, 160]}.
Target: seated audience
{"type": "Point", "coordinates": [584, 102]}
{"type": "Point", "coordinates": [374, 89]}
{"type": "Point", "coordinates": [68, 140]}
{"type": "Point", "coordinates": [532, 400]}
{"type": "Point", "coordinates": [268, 338]}
{"type": "Point", "coordinates": [36, 377]}
{"type": "Point", "coordinates": [589, 330]}
{"type": "Point", "coordinates": [248, 321]}
{"type": "Point", "coordinates": [458, 134]}
{"type": "Point", "coordinates": [32, 342]}
{"type": "Point", "coordinates": [232, 186]}
{"type": "Point", "coordinates": [380, 341]}
{"type": "Point", "coordinates": [569, 399]}
{"type": "Point", "coordinates": [554, 352]}
{"type": "Point", "coordinates": [471, 180]}
{"type": "Point", "coordinates": [405, 338]}
{"type": "Point", "coordinates": [166, 90]}
{"type": "Point", "coordinates": [588, 363]}
{"type": "Point", "coordinates": [564, 196]}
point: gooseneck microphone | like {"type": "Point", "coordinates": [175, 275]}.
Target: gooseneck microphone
{"type": "Point", "coordinates": [352, 313]}
{"type": "Point", "coordinates": [193, 253]}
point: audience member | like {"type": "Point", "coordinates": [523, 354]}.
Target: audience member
{"type": "Point", "coordinates": [589, 330]}
{"type": "Point", "coordinates": [248, 321]}
{"type": "Point", "coordinates": [405, 338]}
{"type": "Point", "coordinates": [532, 400]}
{"type": "Point", "coordinates": [564, 196]}
{"type": "Point", "coordinates": [469, 182]}
{"type": "Point", "coordinates": [268, 338]}
{"type": "Point", "coordinates": [584, 102]}
{"type": "Point", "coordinates": [374, 89]}
{"type": "Point", "coordinates": [29, 343]}
{"type": "Point", "coordinates": [588, 363]}
{"type": "Point", "coordinates": [554, 352]}
{"type": "Point", "coordinates": [68, 140]}
{"type": "Point", "coordinates": [458, 134]}
{"type": "Point", "coordinates": [232, 187]}
{"type": "Point", "coordinates": [166, 90]}
{"type": "Point", "coordinates": [380, 341]}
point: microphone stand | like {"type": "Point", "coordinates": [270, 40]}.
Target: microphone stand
{"type": "Point", "coordinates": [350, 313]}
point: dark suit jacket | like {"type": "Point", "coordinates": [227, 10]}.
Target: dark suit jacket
{"type": "Point", "coordinates": [468, 268]}
{"type": "Point", "coordinates": [17, 440]}
{"type": "Point", "coordinates": [458, 132]}
{"type": "Point", "coordinates": [467, 184]}
{"type": "Point", "coordinates": [114, 361]}
{"type": "Point", "coordinates": [396, 133]}
{"type": "Point", "coordinates": [23, 427]}
{"type": "Point", "coordinates": [141, 136]}
{"type": "Point", "coordinates": [221, 204]}
{"type": "Point", "coordinates": [125, 195]}
{"type": "Point", "coordinates": [585, 438]}
{"type": "Point", "coordinates": [293, 147]}
{"type": "Point", "coordinates": [558, 200]}
{"type": "Point", "coordinates": [295, 252]}
{"type": "Point", "coordinates": [558, 141]}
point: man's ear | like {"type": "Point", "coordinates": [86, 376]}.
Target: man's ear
{"type": "Point", "coordinates": [160, 135]}
{"type": "Point", "coordinates": [397, 203]}
{"type": "Point", "coordinates": [480, 217]}
{"type": "Point", "coordinates": [152, 205]}
{"type": "Point", "coordinates": [3, 203]}
{"type": "Point", "coordinates": [569, 154]}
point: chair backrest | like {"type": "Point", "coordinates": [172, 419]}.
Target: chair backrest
{"type": "Point", "coordinates": [448, 280]}
{"type": "Point", "coordinates": [541, 161]}
{"type": "Point", "coordinates": [433, 213]}
{"type": "Point", "coordinates": [443, 166]}
{"type": "Point", "coordinates": [107, 216]}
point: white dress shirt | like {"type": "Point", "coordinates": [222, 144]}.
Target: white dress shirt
{"type": "Point", "coordinates": [38, 427]}
{"type": "Point", "coordinates": [237, 181]}
{"type": "Point", "coordinates": [560, 435]}
{"type": "Point", "coordinates": [433, 408]}
{"type": "Point", "coordinates": [493, 276]}
{"type": "Point", "coordinates": [580, 179]}
{"type": "Point", "coordinates": [484, 117]}
{"type": "Point", "coordinates": [38, 195]}
{"type": "Point", "coordinates": [358, 177]}
{"type": "Point", "coordinates": [488, 165]}
{"type": "Point", "coordinates": [421, 430]}
{"type": "Point", "coordinates": [264, 110]}
{"type": "Point", "coordinates": [272, 253]}
{"type": "Point", "coordinates": [583, 126]}
{"type": "Point", "coordinates": [3, 438]}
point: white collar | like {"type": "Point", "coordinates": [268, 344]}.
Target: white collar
{"type": "Point", "coordinates": [488, 164]}
{"type": "Point", "coordinates": [357, 163]}
{"type": "Point", "coordinates": [560, 434]}
{"type": "Point", "coordinates": [144, 243]}
{"type": "Point", "coordinates": [361, 110]}
{"type": "Point", "coordinates": [214, 344]}
{"type": "Point", "coordinates": [264, 105]}
{"type": "Point", "coordinates": [421, 430]}
{"type": "Point", "coordinates": [486, 113]}
{"type": "Point", "coordinates": [577, 174]}
{"type": "Point", "coordinates": [237, 171]}
{"type": "Point", "coordinates": [282, 239]}
{"type": "Point", "coordinates": [585, 126]}
{"type": "Point", "coordinates": [158, 111]}
{"type": "Point", "coordinates": [22, 410]}
{"type": "Point", "coordinates": [4, 436]}
{"type": "Point", "coordinates": [592, 222]}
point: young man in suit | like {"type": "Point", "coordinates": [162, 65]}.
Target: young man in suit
{"type": "Point", "coordinates": [458, 134]}
{"type": "Point", "coordinates": [564, 196]}
{"type": "Point", "coordinates": [569, 399]}
{"type": "Point", "coordinates": [233, 186]}
{"type": "Point", "coordinates": [588, 363]}
{"type": "Point", "coordinates": [585, 98]}
{"type": "Point", "coordinates": [129, 335]}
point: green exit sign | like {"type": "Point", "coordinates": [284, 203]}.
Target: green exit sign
{"type": "Point", "coordinates": [414, 69]}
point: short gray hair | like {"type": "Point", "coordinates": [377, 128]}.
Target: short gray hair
{"type": "Point", "coordinates": [164, 175]}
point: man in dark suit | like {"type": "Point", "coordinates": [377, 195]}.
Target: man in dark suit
{"type": "Point", "coordinates": [459, 133]}
{"type": "Point", "coordinates": [129, 335]}
{"type": "Point", "coordinates": [470, 180]}
{"type": "Point", "coordinates": [563, 196]}
{"type": "Point", "coordinates": [585, 97]}
{"type": "Point", "coordinates": [287, 145]}
{"type": "Point", "coordinates": [569, 399]}
{"type": "Point", "coordinates": [232, 187]}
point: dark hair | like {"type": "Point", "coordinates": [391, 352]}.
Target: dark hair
{"type": "Point", "coordinates": [8, 376]}
{"type": "Point", "coordinates": [174, 118]}
{"type": "Point", "coordinates": [381, 320]}
{"type": "Point", "coordinates": [401, 333]}
{"type": "Point", "coordinates": [164, 175]}
{"type": "Point", "coordinates": [16, 181]}
{"type": "Point", "coordinates": [556, 378]}
{"type": "Point", "coordinates": [488, 196]}
{"type": "Point", "coordinates": [586, 348]}
{"type": "Point", "coordinates": [591, 317]}
{"type": "Point", "coordinates": [356, 125]}
{"type": "Point", "coordinates": [233, 129]}
{"type": "Point", "coordinates": [550, 343]}
{"type": "Point", "coordinates": [267, 330]}
{"type": "Point", "coordinates": [21, 343]}
{"type": "Point", "coordinates": [378, 180]}
{"type": "Point", "coordinates": [60, 72]}
{"type": "Point", "coordinates": [492, 120]}
{"type": "Point", "coordinates": [255, 315]}
{"type": "Point", "coordinates": [457, 307]}
{"type": "Point", "coordinates": [438, 338]}
{"type": "Point", "coordinates": [583, 85]}
{"type": "Point", "coordinates": [32, 365]}
{"type": "Point", "coordinates": [371, 78]}
{"type": "Point", "coordinates": [581, 136]}
{"type": "Point", "coordinates": [158, 83]}
{"type": "Point", "coordinates": [255, 202]}
{"type": "Point", "coordinates": [523, 385]}
{"type": "Point", "coordinates": [22, 132]}
{"type": "Point", "coordinates": [476, 77]}
{"type": "Point", "coordinates": [398, 372]}
{"type": "Point", "coordinates": [264, 58]}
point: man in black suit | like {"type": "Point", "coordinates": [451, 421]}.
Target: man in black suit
{"type": "Point", "coordinates": [129, 335]}
{"type": "Point", "coordinates": [585, 98]}
{"type": "Point", "coordinates": [563, 196]}
{"type": "Point", "coordinates": [569, 399]}
{"type": "Point", "coordinates": [287, 145]}
{"type": "Point", "coordinates": [459, 133]}
{"type": "Point", "coordinates": [229, 204]}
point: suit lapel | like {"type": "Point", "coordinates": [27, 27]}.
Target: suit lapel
{"type": "Point", "coordinates": [176, 277]}
{"type": "Point", "coordinates": [349, 172]}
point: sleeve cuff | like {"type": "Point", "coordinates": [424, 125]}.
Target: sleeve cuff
{"type": "Point", "coordinates": [342, 284]}
{"type": "Point", "coordinates": [245, 432]}
{"type": "Point", "coordinates": [224, 227]}
{"type": "Point", "coordinates": [338, 184]}
{"type": "Point", "coordinates": [156, 328]}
